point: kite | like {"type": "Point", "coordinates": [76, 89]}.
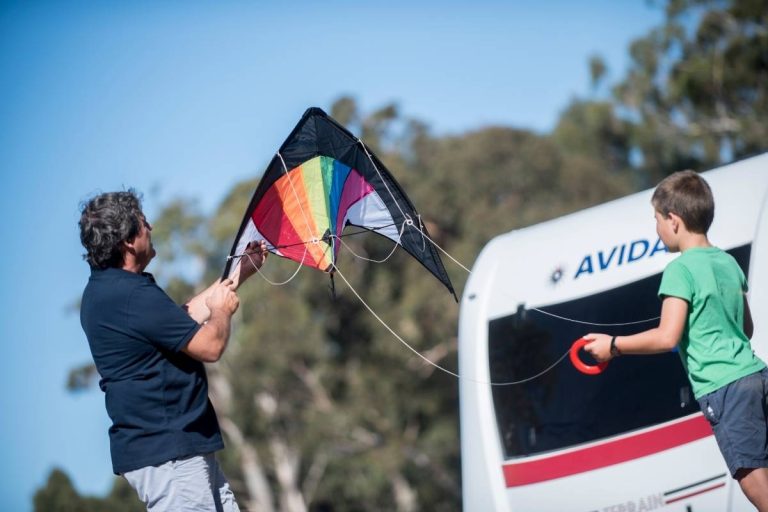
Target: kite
{"type": "Point", "coordinates": [322, 180]}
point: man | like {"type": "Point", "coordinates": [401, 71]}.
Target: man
{"type": "Point", "coordinates": [149, 353]}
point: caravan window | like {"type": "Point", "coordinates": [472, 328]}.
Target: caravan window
{"type": "Point", "coordinates": [564, 407]}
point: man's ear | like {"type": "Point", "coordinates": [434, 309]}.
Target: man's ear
{"type": "Point", "coordinates": [127, 245]}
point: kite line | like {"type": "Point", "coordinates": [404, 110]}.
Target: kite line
{"type": "Point", "coordinates": [407, 223]}
{"type": "Point", "coordinates": [432, 363]}
{"type": "Point", "coordinates": [336, 270]}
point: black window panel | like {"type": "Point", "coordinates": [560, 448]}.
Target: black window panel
{"type": "Point", "coordinates": [564, 407]}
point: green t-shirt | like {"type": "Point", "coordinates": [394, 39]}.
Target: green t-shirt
{"type": "Point", "coordinates": [714, 349]}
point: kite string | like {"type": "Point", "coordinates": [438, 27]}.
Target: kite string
{"type": "Point", "coordinates": [446, 253]}
{"type": "Point", "coordinates": [405, 343]}
{"type": "Point", "coordinates": [445, 370]}
{"type": "Point", "coordinates": [408, 218]}
{"type": "Point", "coordinates": [394, 248]}
{"type": "Point", "coordinates": [457, 262]}
{"type": "Point", "coordinates": [619, 324]}
{"type": "Point", "coordinates": [259, 271]}
{"type": "Point", "coordinates": [429, 361]}
{"type": "Point", "coordinates": [596, 324]}
{"type": "Point", "coordinates": [376, 168]}
{"type": "Point", "coordinates": [399, 338]}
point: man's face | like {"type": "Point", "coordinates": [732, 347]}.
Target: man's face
{"type": "Point", "coordinates": [142, 244]}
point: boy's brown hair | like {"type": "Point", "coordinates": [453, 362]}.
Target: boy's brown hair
{"type": "Point", "coordinates": [688, 196]}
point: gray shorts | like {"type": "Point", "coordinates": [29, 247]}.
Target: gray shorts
{"type": "Point", "coordinates": [189, 484]}
{"type": "Point", "coordinates": [738, 413]}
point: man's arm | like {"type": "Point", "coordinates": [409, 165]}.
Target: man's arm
{"type": "Point", "coordinates": [665, 337]}
{"type": "Point", "coordinates": [196, 307]}
{"type": "Point", "coordinates": [211, 339]}
{"type": "Point", "coordinates": [248, 264]}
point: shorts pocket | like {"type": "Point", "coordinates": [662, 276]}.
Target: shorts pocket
{"type": "Point", "coordinates": [712, 405]}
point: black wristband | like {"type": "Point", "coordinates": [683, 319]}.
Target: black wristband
{"type": "Point", "coordinates": [614, 349]}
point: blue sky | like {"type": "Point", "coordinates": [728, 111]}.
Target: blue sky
{"type": "Point", "coordinates": [184, 99]}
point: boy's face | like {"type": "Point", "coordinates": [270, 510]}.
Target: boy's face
{"type": "Point", "coordinates": [666, 228]}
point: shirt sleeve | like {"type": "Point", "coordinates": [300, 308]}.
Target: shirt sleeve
{"type": "Point", "coordinates": [742, 278]}
{"type": "Point", "coordinates": [153, 316]}
{"type": "Point", "coordinates": [676, 282]}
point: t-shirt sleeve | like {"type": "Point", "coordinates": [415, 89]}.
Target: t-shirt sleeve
{"type": "Point", "coordinates": [742, 278]}
{"type": "Point", "coordinates": [676, 281]}
{"type": "Point", "coordinates": [155, 317]}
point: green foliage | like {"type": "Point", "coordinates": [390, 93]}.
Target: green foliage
{"type": "Point", "coordinates": [59, 495]}
{"type": "Point", "coordinates": [697, 89]}
{"type": "Point", "coordinates": [597, 70]}
{"type": "Point", "coordinates": [594, 130]}
{"type": "Point", "coordinates": [178, 230]}
{"type": "Point", "coordinates": [82, 377]}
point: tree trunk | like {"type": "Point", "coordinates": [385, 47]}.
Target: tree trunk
{"type": "Point", "coordinates": [287, 473]}
{"type": "Point", "coordinates": [255, 480]}
{"type": "Point", "coordinates": [259, 493]}
{"type": "Point", "coordinates": [405, 496]}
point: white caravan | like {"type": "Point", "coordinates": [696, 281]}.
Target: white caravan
{"type": "Point", "coordinates": [631, 438]}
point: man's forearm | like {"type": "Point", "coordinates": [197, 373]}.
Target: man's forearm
{"type": "Point", "coordinates": [210, 341]}
{"type": "Point", "coordinates": [196, 307]}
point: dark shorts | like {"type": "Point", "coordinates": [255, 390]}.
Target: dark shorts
{"type": "Point", "coordinates": [738, 413]}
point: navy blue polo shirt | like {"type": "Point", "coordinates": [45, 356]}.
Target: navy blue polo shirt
{"type": "Point", "coordinates": [156, 395]}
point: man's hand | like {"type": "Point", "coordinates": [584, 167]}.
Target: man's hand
{"type": "Point", "coordinates": [254, 257]}
{"type": "Point", "coordinates": [222, 297]}
{"type": "Point", "coordinates": [209, 342]}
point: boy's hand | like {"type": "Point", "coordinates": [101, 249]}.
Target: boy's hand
{"type": "Point", "coordinates": [599, 346]}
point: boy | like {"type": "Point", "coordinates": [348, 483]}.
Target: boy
{"type": "Point", "coordinates": [705, 314]}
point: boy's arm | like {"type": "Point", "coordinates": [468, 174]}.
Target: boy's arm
{"type": "Point", "coordinates": [665, 337]}
{"type": "Point", "coordinates": [749, 327]}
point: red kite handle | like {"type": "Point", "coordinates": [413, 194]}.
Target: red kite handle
{"type": "Point", "coordinates": [581, 365]}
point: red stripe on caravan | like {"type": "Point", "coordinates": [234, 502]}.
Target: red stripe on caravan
{"type": "Point", "coordinates": [679, 498]}
{"type": "Point", "coordinates": [607, 454]}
